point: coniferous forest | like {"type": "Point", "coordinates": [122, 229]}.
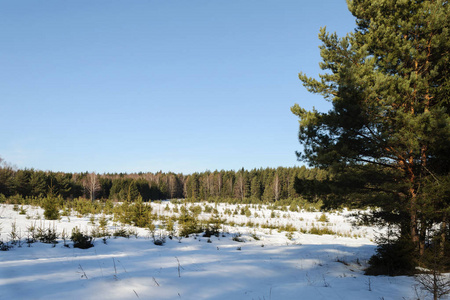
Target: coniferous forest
{"type": "Point", "coordinates": [242, 186]}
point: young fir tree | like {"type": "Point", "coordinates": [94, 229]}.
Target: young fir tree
{"type": "Point", "coordinates": [50, 205]}
{"type": "Point", "coordinates": [141, 213]}
{"type": "Point", "coordinates": [188, 222]}
{"type": "Point", "coordinates": [389, 129]}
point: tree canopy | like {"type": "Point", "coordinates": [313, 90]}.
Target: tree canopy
{"type": "Point", "coordinates": [387, 136]}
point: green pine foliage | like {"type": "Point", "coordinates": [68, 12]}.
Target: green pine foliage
{"type": "Point", "coordinates": [141, 214]}
{"type": "Point", "coordinates": [188, 222]}
{"type": "Point", "coordinates": [393, 259]}
{"type": "Point", "coordinates": [51, 207]}
{"type": "Point", "coordinates": [386, 141]}
{"type": "Point", "coordinates": [214, 224]}
{"type": "Point", "coordinates": [45, 235]}
{"type": "Point", "coordinates": [123, 213]}
{"type": "Point", "coordinates": [81, 240]}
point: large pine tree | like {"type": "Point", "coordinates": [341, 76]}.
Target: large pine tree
{"type": "Point", "coordinates": [387, 136]}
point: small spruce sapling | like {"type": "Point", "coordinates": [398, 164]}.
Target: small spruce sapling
{"type": "Point", "coordinates": [13, 235]}
{"type": "Point", "coordinates": [81, 240]}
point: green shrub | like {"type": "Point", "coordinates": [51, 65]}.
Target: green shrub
{"type": "Point", "coordinates": [196, 209]}
{"type": "Point", "coordinates": [254, 236]}
{"type": "Point", "coordinates": [66, 211]}
{"type": "Point", "coordinates": [170, 226]}
{"type": "Point", "coordinates": [268, 226]}
{"type": "Point", "coordinates": [121, 232]}
{"type": "Point", "coordinates": [288, 227]}
{"type": "Point", "coordinates": [248, 213]}
{"type": "Point", "coordinates": [50, 205]}
{"type": "Point", "coordinates": [32, 233]}
{"type": "Point", "coordinates": [237, 237]}
{"type": "Point", "coordinates": [124, 213]}
{"type": "Point", "coordinates": [81, 240]}
{"type": "Point", "coordinates": [4, 246]}
{"type": "Point", "coordinates": [323, 218]}
{"type": "Point", "coordinates": [108, 207]}
{"type": "Point", "coordinates": [103, 223]}
{"type": "Point", "coordinates": [293, 208]}
{"type": "Point", "coordinates": [141, 213]}
{"type": "Point", "coordinates": [188, 223]}
{"type": "Point", "coordinates": [393, 259]}
{"type": "Point", "coordinates": [208, 209]}
{"type": "Point", "coordinates": [250, 224]}
{"type": "Point", "coordinates": [86, 206]}
{"type": "Point", "coordinates": [289, 235]}
{"type": "Point", "coordinates": [47, 236]}
{"type": "Point", "coordinates": [321, 231]}
{"type": "Point", "coordinates": [214, 224]}
{"type": "Point", "coordinates": [16, 199]}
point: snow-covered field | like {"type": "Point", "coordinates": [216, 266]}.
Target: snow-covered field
{"type": "Point", "coordinates": [268, 264]}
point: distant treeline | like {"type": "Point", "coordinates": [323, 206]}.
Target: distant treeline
{"type": "Point", "coordinates": [242, 186]}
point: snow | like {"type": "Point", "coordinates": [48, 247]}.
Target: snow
{"type": "Point", "coordinates": [272, 267]}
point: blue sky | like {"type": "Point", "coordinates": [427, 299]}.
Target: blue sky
{"type": "Point", "coordinates": [181, 86]}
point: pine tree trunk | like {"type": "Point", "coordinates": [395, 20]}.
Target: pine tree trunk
{"type": "Point", "coordinates": [415, 235]}
{"type": "Point", "coordinates": [413, 214]}
{"type": "Point", "coordinates": [443, 235]}
{"type": "Point", "coordinates": [422, 237]}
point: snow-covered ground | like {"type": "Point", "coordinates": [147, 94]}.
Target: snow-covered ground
{"type": "Point", "coordinates": [268, 265]}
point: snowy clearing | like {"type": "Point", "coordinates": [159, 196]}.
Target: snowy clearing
{"type": "Point", "coordinates": [268, 264]}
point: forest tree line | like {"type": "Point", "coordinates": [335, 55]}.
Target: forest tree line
{"type": "Point", "coordinates": [256, 185]}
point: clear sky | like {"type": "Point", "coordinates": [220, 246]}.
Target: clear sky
{"type": "Point", "coordinates": [149, 85]}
